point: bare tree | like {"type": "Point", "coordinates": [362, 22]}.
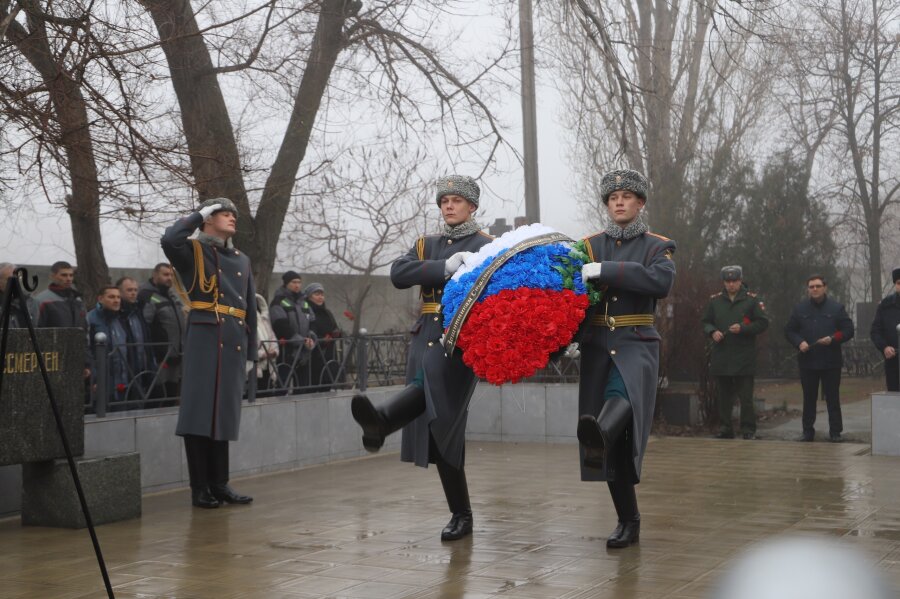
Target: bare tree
{"type": "Point", "coordinates": [370, 220]}
{"type": "Point", "coordinates": [381, 46]}
{"type": "Point", "coordinates": [673, 89]}
{"type": "Point", "coordinates": [55, 111]}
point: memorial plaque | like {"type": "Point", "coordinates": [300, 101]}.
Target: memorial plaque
{"type": "Point", "coordinates": [28, 430]}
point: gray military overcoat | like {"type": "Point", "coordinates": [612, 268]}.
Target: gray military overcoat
{"type": "Point", "coordinates": [635, 274]}
{"type": "Point", "coordinates": [215, 345]}
{"type": "Point", "coordinates": [449, 383]}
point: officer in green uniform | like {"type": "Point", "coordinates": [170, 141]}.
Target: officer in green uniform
{"type": "Point", "coordinates": [733, 319]}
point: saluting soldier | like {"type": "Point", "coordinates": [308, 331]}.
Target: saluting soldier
{"type": "Point", "coordinates": [221, 330]}
{"type": "Point", "coordinates": [620, 347]}
{"type": "Point", "coordinates": [884, 333]}
{"type": "Point", "coordinates": [433, 406]}
{"type": "Point", "coordinates": [732, 320]}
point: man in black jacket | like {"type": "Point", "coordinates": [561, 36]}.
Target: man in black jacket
{"type": "Point", "coordinates": [290, 315]}
{"type": "Point", "coordinates": [166, 319]}
{"type": "Point", "coordinates": [884, 333]}
{"type": "Point", "coordinates": [817, 328]}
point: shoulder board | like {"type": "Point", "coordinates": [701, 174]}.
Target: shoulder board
{"type": "Point", "coordinates": [658, 236]}
{"type": "Point", "coordinates": [155, 300]}
{"type": "Point", "coordinates": [592, 235]}
{"type": "Point", "coordinates": [715, 295]}
{"type": "Point", "coordinates": [751, 294]}
{"type": "Point", "coordinates": [287, 303]}
{"type": "Point", "coordinates": [488, 235]}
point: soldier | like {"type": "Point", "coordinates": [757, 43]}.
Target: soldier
{"type": "Point", "coordinates": [733, 318]}
{"type": "Point", "coordinates": [433, 406]}
{"type": "Point", "coordinates": [221, 330]}
{"type": "Point", "coordinates": [884, 333]}
{"type": "Point", "coordinates": [620, 347]}
{"type": "Point", "coordinates": [817, 328]}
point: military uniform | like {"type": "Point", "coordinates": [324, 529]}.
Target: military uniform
{"type": "Point", "coordinates": [733, 360]}
{"type": "Point", "coordinates": [619, 333]}
{"type": "Point", "coordinates": [450, 382]}
{"type": "Point", "coordinates": [221, 333]}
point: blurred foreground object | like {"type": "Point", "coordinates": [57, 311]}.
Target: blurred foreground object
{"type": "Point", "coordinates": [803, 568]}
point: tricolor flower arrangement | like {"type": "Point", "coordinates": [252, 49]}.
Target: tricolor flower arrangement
{"type": "Point", "coordinates": [531, 303]}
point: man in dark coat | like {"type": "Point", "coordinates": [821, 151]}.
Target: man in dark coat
{"type": "Point", "coordinates": [19, 307]}
{"type": "Point", "coordinates": [818, 327]}
{"type": "Point", "coordinates": [620, 347]}
{"type": "Point", "coordinates": [289, 313]}
{"type": "Point", "coordinates": [141, 364]}
{"type": "Point", "coordinates": [884, 333]}
{"type": "Point", "coordinates": [732, 320]}
{"type": "Point", "coordinates": [165, 318]}
{"type": "Point", "coordinates": [324, 362]}
{"type": "Point", "coordinates": [433, 406]}
{"type": "Point", "coordinates": [61, 305]}
{"type": "Point", "coordinates": [221, 333]}
{"type": "Point", "coordinates": [105, 318]}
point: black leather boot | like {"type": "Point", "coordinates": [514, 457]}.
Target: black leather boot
{"type": "Point", "coordinates": [378, 422]}
{"type": "Point", "coordinates": [197, 450]}
{"type": "Point", "coordinates": [219, 471]}
{"type": "Point", "coordinates": [628, 530]}
{"type": "Point", "coordinates": [456, 490]}
{"type": "Point", "coordinates": [599, 435]}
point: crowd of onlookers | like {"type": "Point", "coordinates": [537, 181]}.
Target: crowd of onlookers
{"type": "Point", "coordinates": [136, 328]}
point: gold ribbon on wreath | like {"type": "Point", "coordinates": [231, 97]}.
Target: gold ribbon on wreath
{"type": "Point", "coordinates": [484, 278]}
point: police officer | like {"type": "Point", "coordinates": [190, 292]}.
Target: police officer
{"type": "Point", "coordinates": [221, 329]}
{"type": "Point", "coordinates": [818, 327]}
{"type": "Point", "coordinates": [732, 320]}
{"type": "Point", "coordinates": [620, 347]}
{"type": "Point", "coordinates": [884, 333]}
{"type": "Point", "coordinates": [433, 406]}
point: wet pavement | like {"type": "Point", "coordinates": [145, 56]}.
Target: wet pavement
{"type": "Point", "coordinates": [369, 528]}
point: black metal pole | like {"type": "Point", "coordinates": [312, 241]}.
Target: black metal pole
{"type": "Point", "coordinates": [14, 288]}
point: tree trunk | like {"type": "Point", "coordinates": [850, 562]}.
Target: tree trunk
{"type": "Point", "coordinates": [276, 198]}
{"type": "Point", "coordinates": [70, 108]}
{"type": "Point", "coordinates": [215, 162]}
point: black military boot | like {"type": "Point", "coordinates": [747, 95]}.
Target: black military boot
{"type": "Point", "coordinates": [456, 489]}
{"type": "Point", "coordinates": [219, 471]}
{"type": "Point", "coordinates": [628, 530]}
{"type": "Point", "coordinates": [377, 422]}
{"type": "Point", "coordinates": [197, 450]}
{"type": "Point", "coordinates": [599, 435]}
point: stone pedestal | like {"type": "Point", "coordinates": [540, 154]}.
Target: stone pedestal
{"type": "Point", "coordinates": [27, 427]}
{"type": "Point", "coordinates": [112, 488]}
{"type": "Point", "coordinates": [886, 423]}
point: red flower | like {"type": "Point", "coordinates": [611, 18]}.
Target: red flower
{"type": "Point", "coordinates": [510, 336]}
{"type": "Point", "coordinates": [120, 388]}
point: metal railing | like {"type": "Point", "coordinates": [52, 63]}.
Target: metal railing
{"type": "Point", "coordinates": [349, 362]}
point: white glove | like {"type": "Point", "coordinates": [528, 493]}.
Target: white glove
{"type": "Point", "coordinates": [591, 270]}
{"type": "Point", "coordinates": [452, 264]}
{"type": "Point", "coordinates": [572, 351]}
{"type": "Point", "coordinates": [207, 210]}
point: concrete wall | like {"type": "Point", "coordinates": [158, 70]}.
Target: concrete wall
{"type": "Point", "coordinates": [292, 432]}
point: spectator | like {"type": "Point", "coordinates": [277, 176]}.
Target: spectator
{"type": "Point", "coordinates": [292, 328]}
{"type": "Point", "coordinates": [267, 351]}
{"type": "Point", "coordinates": [61, 305]}
{"type": "Point", "coordinates": [104, 318]}
{"type": "Point", "coordinates": [324, 365]}
{"type": "Point", "coordinates": [733, 319]}
{"type": "Point", "coordinates": [884, 333]}
{"type": "Point", "coordinates": [165, 319]}
{"type": "Point", "coordinates": [817, 328]}
{"type": "Point", "coordinates": [18, 307]}
{"type": "Point", "coordinates": [141, 365]}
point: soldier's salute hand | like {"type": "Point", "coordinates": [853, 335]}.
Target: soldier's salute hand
{"type": "Point", "coordinates": [717, 336]}
{"type": "Point", "coordinates": [207, 210]}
